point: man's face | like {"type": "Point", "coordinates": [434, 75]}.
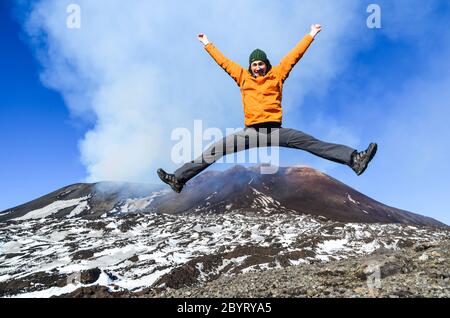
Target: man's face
{"type": "Point", "coordinates": [258, 68]}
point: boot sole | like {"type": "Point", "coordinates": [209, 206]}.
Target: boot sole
{"type": "Point", "coordinates": [373, 147]}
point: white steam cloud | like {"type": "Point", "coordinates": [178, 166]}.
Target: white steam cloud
{"type": "Point", "coordinates": [136, 71]}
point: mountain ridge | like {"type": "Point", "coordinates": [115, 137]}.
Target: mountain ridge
{"type": "Point", "coordinates": [296, 188]}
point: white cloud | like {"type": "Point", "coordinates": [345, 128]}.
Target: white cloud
{"type": "Point", "coordinates": [136, 70]}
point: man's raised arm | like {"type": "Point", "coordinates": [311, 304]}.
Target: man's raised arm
{"type": "Point", "coordinates": [233, 69]}
{"type": "Point", "coordinates": [292, 58]}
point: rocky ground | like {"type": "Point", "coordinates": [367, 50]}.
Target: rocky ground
{"type": "Point", "coordinates": [237, 254]}
{"type": "Point", "coordinates": [419, 271]}
{"type": "Point", "coordinates": [422, 271]}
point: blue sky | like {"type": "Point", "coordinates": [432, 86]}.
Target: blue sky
{"type": "Point", "coordinates": [63, 92]}
{"type": "Point", "coordinates": [38, 140]}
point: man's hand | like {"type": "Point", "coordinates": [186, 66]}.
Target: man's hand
{"type": "Point", "coordinates": [203, 38]}
{"type": "Point", "coordinates": [315, 29]}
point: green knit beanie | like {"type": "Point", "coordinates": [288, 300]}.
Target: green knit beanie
{"type": "Point", "coordinates": [258, 55]}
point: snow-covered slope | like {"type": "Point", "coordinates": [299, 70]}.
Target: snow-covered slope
{"type": "Point", "coordinates": [136, 236]}
{"type": "Point", "coordinates": [47, 257]}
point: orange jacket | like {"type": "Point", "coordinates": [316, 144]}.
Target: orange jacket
{"type": "Point", "coordinates": [261, 96]}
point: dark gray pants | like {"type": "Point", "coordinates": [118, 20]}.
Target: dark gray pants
{"type": "Point", "coordinates": [251, 137]}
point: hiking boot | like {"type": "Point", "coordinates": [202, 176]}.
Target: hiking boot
{"type": "Point", "coordinates": [171, 180]}
{"type": "Point", "coordinates": [360, 160]}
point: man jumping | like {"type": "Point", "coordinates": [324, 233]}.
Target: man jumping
{"type": "Point", "coordinates": [261, 88]}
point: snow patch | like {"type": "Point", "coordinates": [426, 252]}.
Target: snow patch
{"type": "Point", "coordinates": [52, 208]}
{"type": "Point", "coordinates": [351, 199]}
{"type": "Point", "coordinates": [332, 246]}
{"type": "Point", "coordinates": [80, 208]}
